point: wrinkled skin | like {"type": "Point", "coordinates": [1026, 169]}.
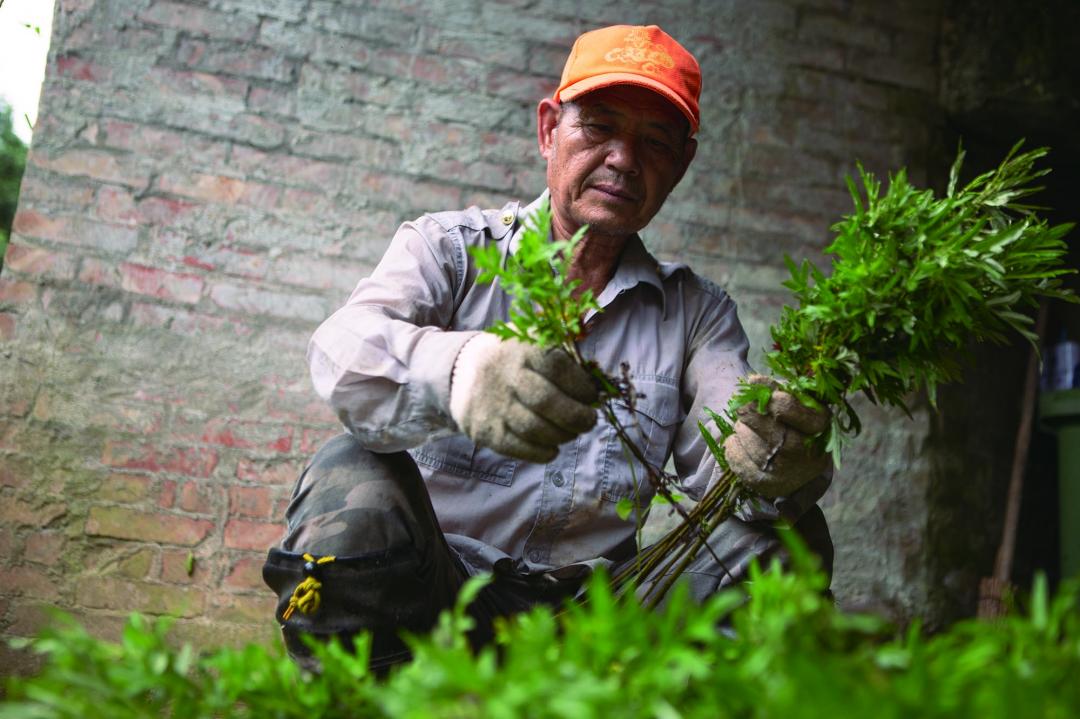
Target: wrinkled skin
{"type": "Point", "coordinates": [613, 157]}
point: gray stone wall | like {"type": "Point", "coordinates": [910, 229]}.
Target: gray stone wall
{"type": "Point", "coordinates": [209, 179]}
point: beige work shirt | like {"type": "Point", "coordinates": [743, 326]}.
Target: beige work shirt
{"type": "Point", "coordinates": [384, 361]}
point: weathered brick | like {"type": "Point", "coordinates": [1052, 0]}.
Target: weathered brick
{"type": "Point", "coordinates": [74, 67]}
{"type": "Point", "coordinates": [124, 488]}
{"type": "Point", "coordinates": [134, 565]}
{"type": "Point", "coordinates": [29, 582]}
{"type": "Point", "coordinates": [116, 204]}
{"type": "Point", "coordinates": [219, 189]}
{"type": "Point", "coordinates": [164, 143]}
{"type": "Point", "coordinates": [312, 439]}
{"type": "Point", "coordinates": [13, 472]}
{"type": "Point", "coordinates": [281, 9]}
{"type": "Point", "coordinates": [257, 301]}
{"type": "Point", "coordinates": [201, 21]}
{"type": "Point", "coordinates": [289, 169]}
{"type": "Point", "coordinates": [520, 86]}
{"type": "Point", "coordinates": [169, 286]}
{"type": "Point", "coordinates": [76, 231]}
{"type": "Point", "coordinates": [271, 100]}
{"type": "Point", "coordinates": [183, 322]}
{"type": "Point", "coordinates": [146, 597]}
{"type": "Point", "coordinates": [42, 189]}
{"type": "Point", "coordinates": [243, 608]}
{"type": "Point", "coordinates": [166, 496]}
{"type": "Point", "coordinates": [246, 573]}
{"type": "Point", "coordinates": [174, 568]}
{"type": "Point", "coordinates": [31, 512]}
{"type": "Point", "coordinates": [258, 536]}
{"type": "Point", "coordinates": [416, 194]}
{"type": "Point", "coordinates": [127, 523]}
{"type": "Point", "coordinates": [192, 462]}
{"type": "Point", "coordinates": [99, 164]}
{"type": "Point", "coordinates": [367, 151]}
{"type": "Point", "coordinates": [267, 472]}
{"type": "Point", "coordinates": [13, 292]}
{"type": "Point", "coordinates": [29, 618]}
{"type": "Point", "coordinates": [251, 502]}
{"type": "Point", "coordinates": [365, 22]}
{"type": "Point", "coordinates": [44, 547]}
{"type": "Point", "coordinates": [196, 498]}
{"type": "Point", "coordinates": [165, 211]}
{"type": "Point", "coordinates": [8, 548]}
{"type": "Point", "coordinates": [256, 62]}
{"type": "Point", "coordinates": [16, 394]}
{"type": "Point", "coordinates": [248, 435]}
{"type": "Point", "coordinates": [336, 274]}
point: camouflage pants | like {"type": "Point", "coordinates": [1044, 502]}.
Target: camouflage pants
{"type": "Point", "coordinates": [393, 569]}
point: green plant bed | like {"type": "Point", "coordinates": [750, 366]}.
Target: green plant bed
{"type": "Point", "coordinates": [776, 648]}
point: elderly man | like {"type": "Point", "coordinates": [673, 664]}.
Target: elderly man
{"type": "Point", "coordinates": [465, 453]}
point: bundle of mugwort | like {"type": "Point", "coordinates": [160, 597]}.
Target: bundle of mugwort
{"type": "Point", "coordinates": [914, 278]}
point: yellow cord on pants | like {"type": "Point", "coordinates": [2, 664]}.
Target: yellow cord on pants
{"type": "Point", "coordinates": [306, 596]}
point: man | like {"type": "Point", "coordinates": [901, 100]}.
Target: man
{"type": "Point", "coordinates": [466, 453]}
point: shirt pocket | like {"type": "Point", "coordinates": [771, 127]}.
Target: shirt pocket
{"type": "Point", "coordinates": [458, 455]}
{"type": "Point", "coordinates": [652, 427]}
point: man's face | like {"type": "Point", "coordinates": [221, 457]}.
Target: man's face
{"type": "Point", "coordinates": [613, 156]}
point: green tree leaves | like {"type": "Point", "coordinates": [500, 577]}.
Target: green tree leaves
{"type": "Point", "coordinates": [12, 162]}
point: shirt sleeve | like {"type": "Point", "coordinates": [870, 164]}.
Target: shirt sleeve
{"type": "Point", "coordinates": [383, 361]}
{"type": "Point", "coordinates": [715, 361]}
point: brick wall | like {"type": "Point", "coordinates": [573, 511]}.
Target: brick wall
{"type": "Point", "coordinates": [209, 179]}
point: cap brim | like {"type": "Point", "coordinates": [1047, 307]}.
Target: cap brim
{"type": "Point", "coordinates": [627, 78]}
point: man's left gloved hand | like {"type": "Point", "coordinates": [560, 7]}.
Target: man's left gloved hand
{"type": "Point", "coordinates": [769, 452]}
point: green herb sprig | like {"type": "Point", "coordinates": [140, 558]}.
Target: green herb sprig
{"type": "Point", "coordinates": [545, 307]}
{"type": "Point", "coordinates": [914, 278]}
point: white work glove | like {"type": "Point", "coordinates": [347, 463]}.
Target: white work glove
{"type": "Point", "coordinates": [769, 452]}
{"type": "Point", "coordinates": [518, 399]}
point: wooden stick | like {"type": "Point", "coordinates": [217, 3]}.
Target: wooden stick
{"type": "Point", "coordinates": [992, 589]}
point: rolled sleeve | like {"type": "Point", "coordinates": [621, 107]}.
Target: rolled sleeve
{"type": "Point", "coordinates": [384, 360]}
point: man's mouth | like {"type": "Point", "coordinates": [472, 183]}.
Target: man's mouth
{"type": "Point", "coordinates": [614, 191]}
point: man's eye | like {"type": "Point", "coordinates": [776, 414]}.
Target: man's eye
{"type": "Point", "coordinates": [657, 144]}
{"type": "Point", "coordinates": [597, 127]}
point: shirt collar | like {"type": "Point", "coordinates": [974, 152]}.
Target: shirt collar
{"type": "Point", "coordinates": [636, 266]}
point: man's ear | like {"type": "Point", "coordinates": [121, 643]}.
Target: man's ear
{"type": "Point", "coordinates": [547, 119]}
{"type": "Point", "coordinates": [689, 150]}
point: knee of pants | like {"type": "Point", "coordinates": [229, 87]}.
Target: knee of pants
{"type": "Point", "coordinates": [351, 501]}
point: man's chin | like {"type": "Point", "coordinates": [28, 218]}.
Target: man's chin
{"type": "Point", "coordinates": [608, 223]}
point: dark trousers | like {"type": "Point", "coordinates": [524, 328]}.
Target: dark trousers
{"type": "Point", "coordinates": [393, 569]}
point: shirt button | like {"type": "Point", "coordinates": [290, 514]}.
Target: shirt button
{"type": "Point", "coordinates": [535, 556]}
{"type": "Point", "coordinates": [557, 479]}
{"type": "Point", "coordinates": [507, 218]}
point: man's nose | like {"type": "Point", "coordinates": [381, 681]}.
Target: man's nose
{"type": "Point", "coordinates": [623, 154]}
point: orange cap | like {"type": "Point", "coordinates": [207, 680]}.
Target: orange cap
{"type": "Point", "coordinates": [641, 55]}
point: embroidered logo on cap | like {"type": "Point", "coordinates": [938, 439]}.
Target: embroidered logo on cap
{"type": "Point", "coordinates": [641, 51]}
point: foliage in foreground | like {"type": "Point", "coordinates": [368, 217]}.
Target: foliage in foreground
{"type": "Point", "coordinates": [784, 651]}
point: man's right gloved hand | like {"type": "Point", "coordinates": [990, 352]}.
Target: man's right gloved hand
{"type": "Point", "coordinates": [518, 399]}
